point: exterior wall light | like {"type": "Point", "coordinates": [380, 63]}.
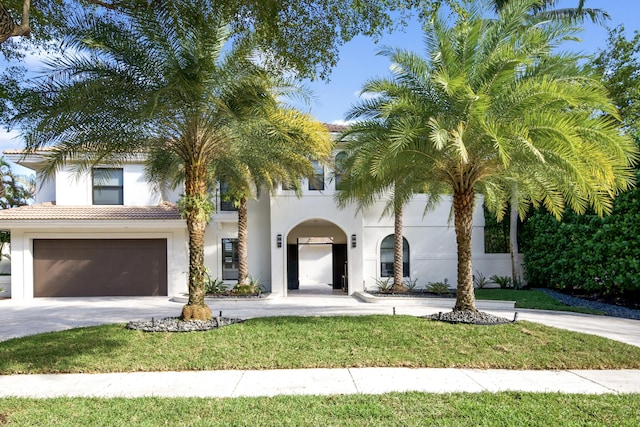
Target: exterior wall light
{"type": "Point", "coordinates": [279, 240]}
{"type": "Point", "coordinates": [353, 241]}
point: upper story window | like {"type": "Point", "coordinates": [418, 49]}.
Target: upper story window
{"type": "Point", "coordinates": [107, 186]}
{"type": "Point", "coordinates": [338, 173]}
{"type": "Point", "coordinates": [316, 181]}
{"type": "Point", "coordinates": [386, 257]}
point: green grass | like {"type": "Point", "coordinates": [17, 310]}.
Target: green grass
{"type": "Point", "coordinates": [393, 409]}
{"type": "Point", "coordinates": [530, 299]}
{"type": "Point", "coordinates": [313, 342]}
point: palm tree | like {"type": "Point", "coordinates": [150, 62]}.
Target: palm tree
{"type": "Point", "coordinates": [367, 140]}
{"type": "Point", "coordinates": [158, 80]}
{"type": "Point", "coordinates": [547, 10]}
{"type": "Point", "coordinates": [490, 105]}
{"type": "Point", "coordinates": [275, 148]}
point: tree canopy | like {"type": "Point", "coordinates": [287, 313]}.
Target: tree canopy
{"type": "Point", "coordinates": [491, 104]}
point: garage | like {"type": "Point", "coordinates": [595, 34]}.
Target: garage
{"type": "Point", "coordinates": [99, 267]}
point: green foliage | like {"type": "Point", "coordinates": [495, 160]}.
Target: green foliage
{"type": "Point", "coordinates": [252, 288]}
{"type": "Point", "coordinates": [198, 206]}
{"type": "Point", "coordinates": [384, 284]}
{"type": "Point", "coordinates": [619, 67]}
{"type": "Point", "coordinates": [410, 284]}
{"type": "Point", "coordinates": [503, 281]}
{"type": "Point", "coordinates": [480, 280]}
{"type": "Point", "coordinates": [213, 285]}
{"type": "Point", "coordinates": [586, 252]}
{"type": "Point", "coordinates": [439, 288]}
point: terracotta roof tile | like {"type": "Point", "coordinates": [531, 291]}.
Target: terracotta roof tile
{"type": "Point", "coordinates": [50, 211]}
{"type": "Point", "coordinates": [335, 127]}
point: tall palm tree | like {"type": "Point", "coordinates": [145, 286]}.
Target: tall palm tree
{"type": "Point", "coordinates": [367, 139]}
{"type": "Point", "coordinates": [491, 104]}
{"type": "Point", "coordinates": [546, 9]}
{"type": "Point", "coordinates": [274, 148]}
{"type": "Point", "coordinates": [158, 80]}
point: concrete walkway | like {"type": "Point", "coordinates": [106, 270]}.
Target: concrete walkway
{"type": "Point", "coordinates": [20, 318]}
{"type": "Point", "coordinates": [316, 382]}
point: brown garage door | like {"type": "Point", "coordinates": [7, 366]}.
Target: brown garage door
{"type": "Point", "coordinates": [104, 267]}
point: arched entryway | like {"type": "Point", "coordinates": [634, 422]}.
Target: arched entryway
{"type": "Point", "coordinates": [317, 259]}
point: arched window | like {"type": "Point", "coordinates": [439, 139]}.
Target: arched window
{"type": "Point", "coordinates": [338, 172]}
{"type": "Point", "coordinates": [386, 257]}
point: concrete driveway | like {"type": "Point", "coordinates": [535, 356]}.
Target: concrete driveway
{"type": "Point", "coordinates": [27, 317]}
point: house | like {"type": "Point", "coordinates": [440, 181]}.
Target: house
{"type": "Point", "coordinates": [109, 232]}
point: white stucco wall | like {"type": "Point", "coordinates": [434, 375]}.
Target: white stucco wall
{"type": "Point", "coordinates": [72, 189]}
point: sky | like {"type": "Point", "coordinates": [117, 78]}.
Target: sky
{"type": "Point", "coordinates": [359, 62]}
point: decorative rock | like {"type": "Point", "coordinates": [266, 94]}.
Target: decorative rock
{"type": "Point", "coordinates": [174, 324]}
{"type": "Point", "coordinates": [470, 317]}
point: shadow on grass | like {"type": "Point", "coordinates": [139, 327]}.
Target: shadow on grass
{"type": "Point", "coordinates": [65, 351]}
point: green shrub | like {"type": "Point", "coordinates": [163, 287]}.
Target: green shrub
{"type": "Point", "coordinates": [410, 284]}
{"type": "Point", "coordinates": [503, 281]}
{"type": "Point", "coordinates": [213, 285]}
{"type": "Point", "coordinates": [586, 252]}
{"type": "Point", "coordinates": [439, 288]}
{"type": "Point", "coordinates": [480, 280]}
{"type": "Point", "coordinates": [384, 285]}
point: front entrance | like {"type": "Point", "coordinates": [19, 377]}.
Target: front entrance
{"type": "Point", "coordinates": [317, 259]}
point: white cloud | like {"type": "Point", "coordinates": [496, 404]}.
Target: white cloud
{"type": "Point", "coordinates": [342, 122]}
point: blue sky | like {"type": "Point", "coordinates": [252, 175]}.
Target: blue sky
{"type": "Point", "coordinates": [358, 61]}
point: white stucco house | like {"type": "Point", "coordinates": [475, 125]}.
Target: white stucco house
{"type": "Point", "coordinates": [109, 233]}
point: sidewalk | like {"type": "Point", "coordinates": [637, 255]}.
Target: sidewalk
{"type": "Point", "coordinates": [316, 382]}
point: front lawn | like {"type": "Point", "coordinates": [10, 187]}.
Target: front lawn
{"type": "Point", "coordinates": [314, 342]}
{"type": "Point", "coordinates": [530, 299]}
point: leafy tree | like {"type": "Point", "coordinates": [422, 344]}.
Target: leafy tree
{"type": "Point", "coordinates": [304, 35]}
{"type": "Point", "coordinates": [490, 105]}
{"type": "Point", "coordinates": [619, 66]}
{"type": "Point", "coordinates": [158, 80]}
{"type": "Point", "coordinates": [16, 190]}
{"type": "Point", "coordinates": [367, 139]}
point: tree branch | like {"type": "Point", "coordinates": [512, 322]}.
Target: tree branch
{"type": "Point", "coordinates": [8, 28]}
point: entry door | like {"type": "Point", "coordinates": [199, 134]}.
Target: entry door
{"type": "Point", "coordinates": [340, 266]}
{"type": "Point", "coordinates": [229, 259]}
{"type": "Point", "coordinates": [293, 281]}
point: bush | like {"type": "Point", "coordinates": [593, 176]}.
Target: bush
{"type": "Point", "coordinates": [586, 252]}
{"type": "Point", "coordinates": [439, 288]}
{"type": "Point", "coordinates": [384, 285]}
{"type": "Point", "coordinates": [503, 281]}
{"type": "Point", "coordinates": [480, 280]}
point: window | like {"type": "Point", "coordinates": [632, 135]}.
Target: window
{"type": "Point", "coordinates": [229, 259]}
{"type": "Point", "coordinates": [339, 159]}
{"type": "Point", "coordinates": [386, 257]}
{"type": "Point", "coordinates": [107, 187]}
{"type": "Point", "coordinates": [316, 181]}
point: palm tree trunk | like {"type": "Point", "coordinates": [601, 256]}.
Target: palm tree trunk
{"type": "Point", "coordinates": [196, 215]}
{"type": "Point", "coordinates": [463, 201]}
{"type": "Point", "coordinates": [243, 257]}
{"type": "Point", "coordinates": [398, 285]}
{"type": "Point", "coordinates": [516, 277]}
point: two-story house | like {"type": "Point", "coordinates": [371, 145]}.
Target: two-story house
{"type": "Point", "coordinates": [110, 232]}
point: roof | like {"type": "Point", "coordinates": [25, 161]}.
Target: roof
{"type": "Point", "coordinates": [51, 211]}
{"type": "Point", "coordinates": [331, 127]}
